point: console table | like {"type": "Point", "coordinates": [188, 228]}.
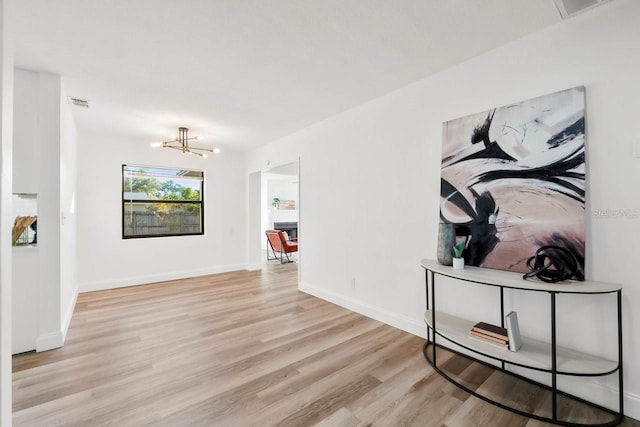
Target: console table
{"type": "Point", "coordinates": [534, 354]}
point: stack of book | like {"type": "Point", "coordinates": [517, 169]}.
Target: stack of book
{"type": "Point", "coordinates": [491, 334]}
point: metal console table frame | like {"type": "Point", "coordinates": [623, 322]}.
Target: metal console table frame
{"type": "Point", "coordinates": [561, 362]}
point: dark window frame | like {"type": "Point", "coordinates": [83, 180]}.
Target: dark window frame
{"type": "Point", "coordinates": [177, 202]}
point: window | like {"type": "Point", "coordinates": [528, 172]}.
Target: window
{"type": "Point", "coordinates": [161, 202]}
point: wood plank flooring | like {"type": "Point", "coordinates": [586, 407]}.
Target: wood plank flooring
{"type": "Point", "coordinates": [241, 349]}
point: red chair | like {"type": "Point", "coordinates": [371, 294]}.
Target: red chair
{"type": "Point", "coordinates": [280, 245]}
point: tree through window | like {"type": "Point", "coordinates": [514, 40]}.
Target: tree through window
{"type": "Point", "coordinates": [161, 202]}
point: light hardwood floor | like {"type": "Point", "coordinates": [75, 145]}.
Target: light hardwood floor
{"type": "Point", "coordinates": [243, 349]}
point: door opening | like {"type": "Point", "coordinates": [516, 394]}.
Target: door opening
{"type": "Point", "coordinates": [280, 210]}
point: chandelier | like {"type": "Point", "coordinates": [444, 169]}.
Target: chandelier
{"type": "Point", "coordinates": [181, 142]}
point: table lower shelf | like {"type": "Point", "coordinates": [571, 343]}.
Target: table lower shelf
{"type": "Point", "coordinates": [533, 354]}
{"type": "Point", "coordinates": [529, 401]}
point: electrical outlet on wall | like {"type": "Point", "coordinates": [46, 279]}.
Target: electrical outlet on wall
{"type": "Point", "coordinates": [352, 283]}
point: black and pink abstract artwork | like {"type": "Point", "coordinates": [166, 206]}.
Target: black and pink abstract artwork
{"type": "Point", "coordinates": [513, 180]}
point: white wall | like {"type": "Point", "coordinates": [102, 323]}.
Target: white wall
{"type": "Point", "coordinates": [47, 170]}
{"type": "Point", "coordinates": [68, 222]}
{"type": "Point", "coordinates": [105, 260]}
{"type": "Point", "coordinates": [381, 163]}
{"type": "Point", "coordinates": [25, 279]}
{"type": "Point", "coordinates": [26, 156]}
{"type": "Point", "coordinates": [26, 160]}
{"type": "Point", "coordinates": [6, 221]}
{"type": "Point", "coordinates": [285, 188]}
{"type": "Point", "coordinates": [256, 194]}
{"type": "Point", "coordinates": [44, 163]}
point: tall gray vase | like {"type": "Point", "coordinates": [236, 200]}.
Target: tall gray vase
{"type": "Point", "coordinates": [446, 240]}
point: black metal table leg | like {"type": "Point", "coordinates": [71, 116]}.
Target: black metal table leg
{"type": "Point", "coordinates": [620, 377]}
{"type": "Point", "coordinates": [502, 315]}
{"type": "Point", "coordinates": [433, 315]}
{"type": "Point", "coordinates": [554, 371]}
{"type": "Point", "coordinates": [426, 285]}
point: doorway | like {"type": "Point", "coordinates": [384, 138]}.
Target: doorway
{"type": "Point", "coordinates": [274, 203]}
{"type": "Point", "coordinates": [279, 204]}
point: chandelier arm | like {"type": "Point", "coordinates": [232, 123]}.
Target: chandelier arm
{"type": "Point", "coordinates": [181, 142]}
{"type": "Point", "coordinates": [175, 148]}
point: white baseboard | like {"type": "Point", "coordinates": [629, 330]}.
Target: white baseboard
{"type": "Point", "coordinates": [632, 405]}
{"type": "Point", "coordinates": [415, 327]}
{"type": "Point", "coordinates": [55, 339]}
{"type": "Point", "coordinates": [253, 267]}
{"type": "Point", "coordinates": [154, 278]}
{"type": "Point", "coordinates": [67, 317]}
{"type": "Point", "coordinates": [607, 396]}
{"type": "Point", "coordinates": [49, 341]}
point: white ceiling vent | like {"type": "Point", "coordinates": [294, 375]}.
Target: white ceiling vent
{"type": "Point", "coordinates": [79, 102]}
{"type": "Point", "coordinates": [568, 8]}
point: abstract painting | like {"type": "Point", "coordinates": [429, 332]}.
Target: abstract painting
{"type": "Point", "coordinates": [513, 180]}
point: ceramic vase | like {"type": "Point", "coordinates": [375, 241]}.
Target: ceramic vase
{"type": "Point", "coordinates": [458, 263]}
{"type": "Point", "coordinates": [446, 240]}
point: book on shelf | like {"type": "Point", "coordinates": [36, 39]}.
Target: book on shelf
{"type": "Point", "coordinates": [489, 329]}
{"type": "Point", "coordinates": [513, 331]}
{"type": "Point", "coordinates": [489, 340]}
{"type": "Point", "coordinates": [503, 340]}
{"type": "Point", "coordinates": [489, 337]}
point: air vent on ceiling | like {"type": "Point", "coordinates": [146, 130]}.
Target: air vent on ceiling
{"type": "Point", "coordinates": [568, 8]}
{"type": "Point", "coordinates": [79, 102]}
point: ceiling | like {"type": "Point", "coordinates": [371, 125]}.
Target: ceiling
{"type": "Point", "coordinates": [241, 73]}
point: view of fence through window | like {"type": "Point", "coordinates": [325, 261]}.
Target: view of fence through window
{"type": "Point", "coordinates": [161, 201]}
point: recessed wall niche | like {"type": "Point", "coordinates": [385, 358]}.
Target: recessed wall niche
{"type": "Point", "coordinates": [25, 222]}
